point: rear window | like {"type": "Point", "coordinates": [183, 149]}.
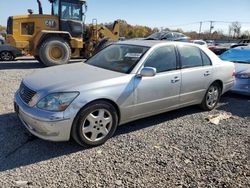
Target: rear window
{"type": "Point", "coordinates": [190, 56]}
{"type": "Point", "coordinates": [237, 55]}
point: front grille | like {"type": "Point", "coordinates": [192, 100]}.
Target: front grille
{"type": "Point", "coordinates": [26, 94]}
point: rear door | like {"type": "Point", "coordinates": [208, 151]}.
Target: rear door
{"type": "Point", "coordinates": [161, 92]}
{"type": "Point", "coordinates": [196, 74]}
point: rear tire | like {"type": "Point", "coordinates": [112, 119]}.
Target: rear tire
{"type": "Point", "coordinates": [6, 56]}
{"type": "Point", "coordinates": [95, 124]}
{"type": "Point", "coordinates": [55, 51]}
{"type": "Point", "coordinates": [212, 97]}
{"type": "Point", "coordinates": [38, 59]}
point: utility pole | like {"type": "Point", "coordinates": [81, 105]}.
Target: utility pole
{"type": "Point", "coordinates": [211, 28]}
{"type": "Point", "coordinates": [200, 30]}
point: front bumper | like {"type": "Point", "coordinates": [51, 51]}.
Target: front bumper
{"type": "Point", "coordinates": [50, 126]}
{"type": "Point", "coordinates": [242, 86]}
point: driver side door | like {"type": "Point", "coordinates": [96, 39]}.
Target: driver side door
{"type": "Point", "coordinates": [161, 92]}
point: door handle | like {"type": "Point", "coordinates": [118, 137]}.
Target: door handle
{"type": "Point", "coordinates": [176, 79]}
{"type": "Point", "coordinates": [207, 73]}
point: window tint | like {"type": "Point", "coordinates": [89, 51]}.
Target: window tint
{"type": "Point", "coordinates": [206, 59]}
{"type": "Point", "coordinates": [163, 59]}
{"type": "Point", "coordinates": [190, 56]}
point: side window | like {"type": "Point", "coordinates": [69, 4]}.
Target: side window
{"type": "Point", "coordinates": [190, 56]}
{"type": "Point", "coordinates": [28, 28]}
{"type": "Point", "coordinates": [163, 59]}
{"type": "Point", "coordinates": [206, 59]}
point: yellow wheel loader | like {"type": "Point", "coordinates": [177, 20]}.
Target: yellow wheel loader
{"type": "Point", "coordinates": [54, 39]}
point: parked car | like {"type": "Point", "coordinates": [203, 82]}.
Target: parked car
{"type": "Point", "coordinates": [241, 58]}
{"type": "Point", "coordinates": [9, 53]}
{"type": "Point", "coordinates": [200, 42]}
{"type": "Point", "coordinates": [168, 35]}
{"type": "Point", "coordinates": [244, 42]}
{"type": "Point", "coordinates": [124, 82]}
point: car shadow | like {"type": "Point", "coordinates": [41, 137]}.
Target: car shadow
{"type": "Point", "coordinates": [20, 148]}
{"type": "Point", "coordinates": [26, 64]}
{"type": "Point", "coordinates": [230, 103]}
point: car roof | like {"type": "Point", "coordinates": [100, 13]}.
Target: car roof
{"type": "Point", "coordinates": [151, 43]}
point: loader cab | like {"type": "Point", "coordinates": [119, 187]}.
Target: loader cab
{"type": "Point", "coordinates": [70, 13]}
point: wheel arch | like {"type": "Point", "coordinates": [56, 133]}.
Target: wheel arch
{"type": "Point", "coordinates": [102, 99]}
{"type": "Point", "coordinates": [76, 118]}
{"type": "Point", "coordinates": [45, 35]}
{"type": "Point", "coordinates": [220, 83]}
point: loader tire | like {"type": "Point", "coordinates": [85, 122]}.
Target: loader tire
{"type": "Point", "coordinates": [55, 51]}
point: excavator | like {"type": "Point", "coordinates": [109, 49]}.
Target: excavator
{"type": "Point", "coordinates": [56, 38]}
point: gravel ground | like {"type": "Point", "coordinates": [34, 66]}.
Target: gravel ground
{"type": "Point", "coordinates": [175, 149]}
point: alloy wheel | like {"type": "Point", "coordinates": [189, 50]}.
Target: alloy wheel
{"type": "Point", "coordinates": [212, 96]}
{"type": "Point", "coordinates": [6, 56]}
{"type": "Point", "coordinates": [97, 125]}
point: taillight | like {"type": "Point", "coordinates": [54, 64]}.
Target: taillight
{"type": "Point", "coordinates": [234, 73]}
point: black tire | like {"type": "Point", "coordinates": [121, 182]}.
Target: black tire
{"type": "Point", "coordinates": [81, 120]}
{"type": "Point", "coordinates": [6, 56]}
{"type": "Point", "coordinates": [211, 99]}
{"type": "Point", "coordinates": [38, 59]}
{"type": "Point", "coordinates": [54, 51]}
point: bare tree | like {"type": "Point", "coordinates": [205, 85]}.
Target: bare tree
{"type": "Point", "coordinates": [235, 28]}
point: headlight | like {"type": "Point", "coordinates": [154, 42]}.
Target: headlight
{"type": "Point", "coordinates": [57, 101]}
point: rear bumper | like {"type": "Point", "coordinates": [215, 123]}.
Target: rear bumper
{"type": "Point", "coordinates": [242, 86]}
{"type": "Point", "coordinates": [43, 127]}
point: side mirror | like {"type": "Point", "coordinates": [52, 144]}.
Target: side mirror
{"type": "Point", "coordinates": [148, 72]}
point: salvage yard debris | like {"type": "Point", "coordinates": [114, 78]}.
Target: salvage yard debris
{"type": "Point", "coordinates": [215, 119]}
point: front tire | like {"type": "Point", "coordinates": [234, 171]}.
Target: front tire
{"type": "Point", "coordinates": [212, 97]}
{"type": "Point", "coordinates": [55, 51]}
{"type": "Point", "coordinates": [95, 124]}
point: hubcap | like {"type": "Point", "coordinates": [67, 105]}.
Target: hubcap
{"type": "Point", "coordinates": [6, 56]}
{"type": "Point", "coordinates": [97, 125]}
{"type": "Point", "coordinates": [212, 96]}
{"type": "Point", "coordinates": [56, 52]}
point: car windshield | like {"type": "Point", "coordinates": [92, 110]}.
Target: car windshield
{"type": "Point", "coordinates": [199, 42]}
{"type": "Point", "coordinates": [241, 55]}
{"type": "Point", "coordinates": [118, 57]}
{"type": "Point", "coordinates": [157, 35]}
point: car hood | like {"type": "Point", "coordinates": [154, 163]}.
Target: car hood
{"type": "Point", "coordinates": [67, 77]}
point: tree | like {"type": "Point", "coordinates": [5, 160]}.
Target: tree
{"type": "Point", "coordinates": [235, 28]}
{"type": "Point", "coordinates": [2, 28]}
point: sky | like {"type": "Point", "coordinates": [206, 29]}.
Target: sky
{"type": "Point", "coordinates": [173, 14]}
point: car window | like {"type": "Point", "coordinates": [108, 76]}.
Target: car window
{"type": "Point", "coordinates": [206, 59]}
{"type": "Point", "coordinates": [190, 56]}
{"type": "Point", "coordinates": [163, 59]}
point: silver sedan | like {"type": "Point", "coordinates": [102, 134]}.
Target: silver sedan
{"type": "Point", "coordinates": [124, 82]}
